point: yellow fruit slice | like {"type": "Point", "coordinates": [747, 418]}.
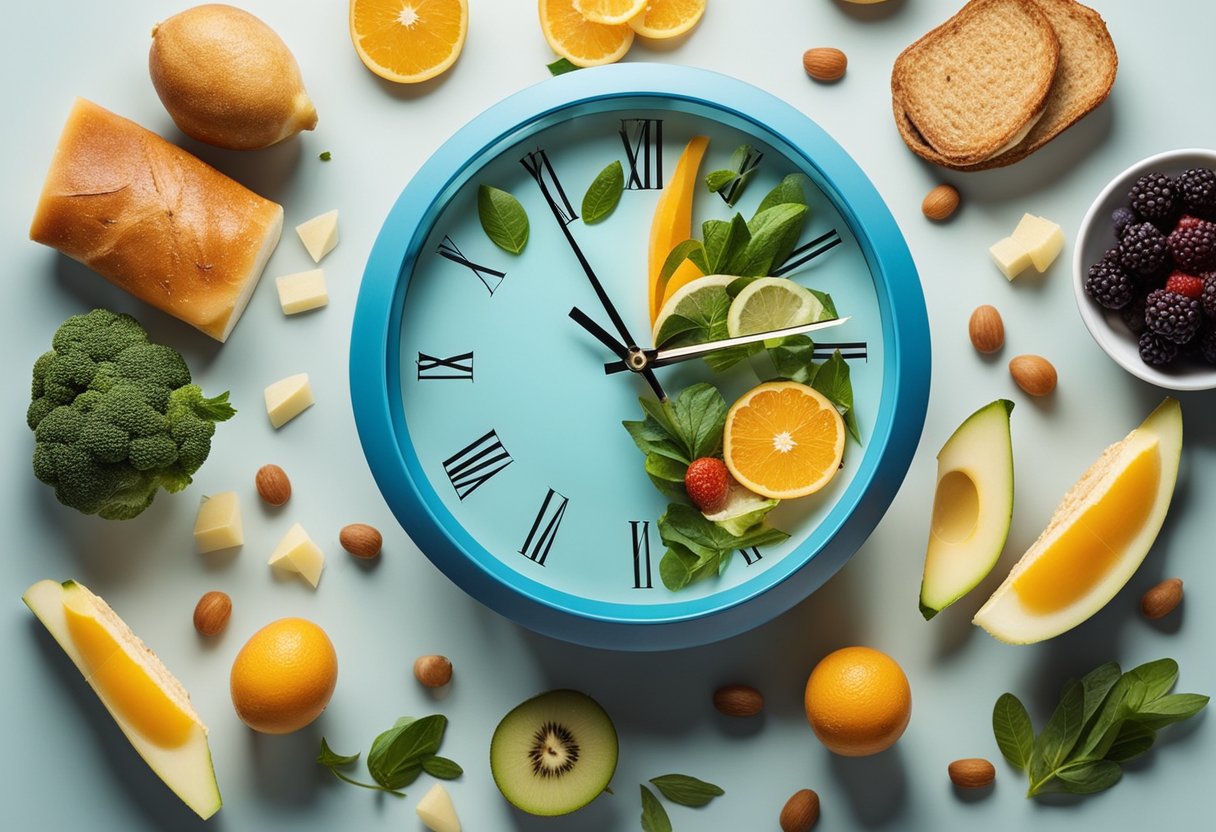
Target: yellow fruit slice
{"type": "Point", "coordinates": [783, 440]}
{"type": "Point", "coordinates": [577, 39]}
{"type": "Point", "coordinates": [143, 697]}
{"type": "Point", "coordinates": [408, 41]}
{"type": "Point", "coordinates": [672, 224]}
{"type": "Point", "coordinates": [662, 19]}
{"type": "Point", "coordinates": [611, 12]}
{"type": "Point", "coordinates": [1097, 538]}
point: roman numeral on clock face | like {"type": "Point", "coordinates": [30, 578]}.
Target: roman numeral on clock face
{"type": "Point", "coordinates": [473, 465]}
{"type": "Point", "coordinates": [538, 166]}
{"type": "Point", "coordinates": [804, 254]}
{"type": "Point", "coordinates": [848, 349]}
{"type": "Point", "coordinates": [751, 161]}
{"type": "Point", "coordinates": [490, 278]}
{"type": "Point", "coordinates": [544, 528]}
{"type": "Point", "coordinates": [431, 368]}
{"type": "Point", "coordinates": [751, 555]}
{"type": "Point", "coordinates": [643, 140]}
{"type": "Point", "coordinates": [641, 554]}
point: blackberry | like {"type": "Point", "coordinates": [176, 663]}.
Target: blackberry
{"type": "Point", "coordinates": [1133, 315]}
{"type": "Point", "coordinates": [1192, 244]}
{"type": "Point", "coordinates": [1207, 346]}
{"type": "Point", "coordinates": [1157, 351]}
{"type": "Point", "coordinates": [1108, 284]}
{"type": "Point", "coordinates": [1197, 187]}
{"type": "Point", "coordinates": [1154, 197]}
{"type": "Point", "coordinates": [1208, 298]}
{"type": "Point", "coordinates": [1143, 249]}
{"type": "Point", "coordinates": [1121, 218]}
{"type": "Point", "coordinates": [1172, 316]}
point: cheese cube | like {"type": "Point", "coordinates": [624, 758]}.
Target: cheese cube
{"type": "Point", "coordinates": [1042, 238]}
{"type": "Point", "coordinates": [1011, 256]}
{"type": "Point", "coordinates": [288, 398]}
{"type": "Point", "coordinates": [297, 553]}
{"type": "Point", "coordinates": [301, 292]}
{"type": "Point", "coordinates": [319, 234]}
{"type": "Point", "coordinates": [218, 524]}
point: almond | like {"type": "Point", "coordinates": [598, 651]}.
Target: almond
{"type": "Point", "coordinates": [1033, 373]}
{"type": "Point", "coordinates": [738, 700]}
{"type": "Point", "coordinates": [940, 202]}
{"type": "Point", "coordinates": [972, 773]}
{"type": "Point", "coordinates": [986, 329]}
{"type": "Point", "coordinates": [211, 613]}
{"type": "Point", "coordinates": [361, 540]}
{"type": "Point", "coordinates": [433, 671]}
{"type": "Point", "coordinates": [825, 63]}
{"type": "Point", "coordinates": [273, 485]}
{"type": "Point", "coordinates": [1161, 599]}
{"type": "Point", "coordinates": [800, 812]}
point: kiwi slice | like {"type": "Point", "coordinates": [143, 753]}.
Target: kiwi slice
{"type": "Point", "coordinates": [554, 753]}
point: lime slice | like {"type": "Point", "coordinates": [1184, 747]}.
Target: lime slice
{"type": "Point", "coordinates": [772, 303]}
{"type": "Point", "coordinates": [692, 307]}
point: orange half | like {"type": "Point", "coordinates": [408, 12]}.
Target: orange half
{"type": "Point", "coordinates": [662, 19]}
{"type": "Point", "coordinates": [783, 440]}
{"type": "Point", "coordinates": [610, 11]}
{"type": "Point", "coordinates": [577, 39]}
{"type": "Point", "coordinates": [408, 41]}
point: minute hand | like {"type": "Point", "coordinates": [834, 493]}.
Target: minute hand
{"type": "Point", "coordinates": [661, 358]}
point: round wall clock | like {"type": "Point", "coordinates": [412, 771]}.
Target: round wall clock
{"type": "Point", "coordinates": [485, 409]}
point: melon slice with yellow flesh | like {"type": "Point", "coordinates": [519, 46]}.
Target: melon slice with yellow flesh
{"type": "Point", "coordinates": [148, 703]}
{"type": "Point", "coordinates": [672, 223]}
{"type": "Point", "coordinates": [1097, 538]}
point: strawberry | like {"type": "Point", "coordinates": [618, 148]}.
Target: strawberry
{"type": "Point", "coordinates": [708, 483]}
{"type": "Point", "coordinates": [1184, 284]}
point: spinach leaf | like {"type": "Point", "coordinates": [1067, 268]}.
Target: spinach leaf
{"type": "Point", "coordinates": [503, 218]}
{"type": "Point", "coordinates": [686, 790]}
{"type": "Point", "coordinates": [1013, 731]}
{"type": "Point", "coordinates": [604, 194]}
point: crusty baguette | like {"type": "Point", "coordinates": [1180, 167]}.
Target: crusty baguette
{"type": "Point", "coordinates": [154, 220]}
{"type": "Point", "coordinates": [974, 83]}
{"type": "Point", "coordinates": [1084, 78]}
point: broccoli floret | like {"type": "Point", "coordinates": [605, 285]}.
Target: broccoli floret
{"type": "Point", "coordinates": [115, 417]}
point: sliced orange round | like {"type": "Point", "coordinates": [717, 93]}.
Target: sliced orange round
{"type": "Point", "coordinates": [577, 39]}
{"type": "Point", "coordinates": [662, 19]}
{"type": "Point", "coordinates": [783, 440]}
{"type": "Point", "coordinates": [408, 41]}
{"type": "Point", "coordinates": [610, 11]}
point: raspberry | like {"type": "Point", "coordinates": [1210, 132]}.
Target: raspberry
{"type": "Point", "coordinates": [1121, 218]}
{"type": "Point", "coordinates": [1197, 187]}
{"type": "Point", "coordinates": [1133, 315]}
{"type": "Point", "coordinates": [1184, 284]}
{"type": "Point", "coordinates": [1208, 298]}
{"type": "Point", "coordinates": [1157, 351]}
{"type": "Point", "coordinates": [1153, 197]}
{"type": "Point", "coordinates": [708, 483]}
{"type": "Point", "coordinates": [1192, 244]}
{"type": "Point", "coordinates": [1143, 249]}
{"type": "Point", "coordinates": [1108, 284]}
{"type": "Point", "coordinates": [1172, 316]}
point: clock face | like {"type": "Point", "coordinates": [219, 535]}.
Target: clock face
{"type": "Point", "coordinates": [520, 481]}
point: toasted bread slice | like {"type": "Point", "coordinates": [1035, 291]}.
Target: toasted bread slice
{"type": "Point", "coordinates": [1084, 78]}
{"type": "Point", "coordinates": [973, 84]}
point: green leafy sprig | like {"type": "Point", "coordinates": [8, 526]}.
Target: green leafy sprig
{"type": "Point", "coordinates": [730, 182]}
{"type": "Point", "coordinates": [561, 66]}
{"type": "Point", "coordinates": [604, 194]}
{"type": "Point", "coordinates": [1102, 720]}
{"type": "Point", "coordinates": [678, 788]}
{"type": "Point", "coordinates": [398, 755]}
{"type": "Point", "coordinates": [502, 218]}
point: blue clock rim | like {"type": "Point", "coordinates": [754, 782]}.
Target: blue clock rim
{"type": "Point", "coordinates": [375, 380]}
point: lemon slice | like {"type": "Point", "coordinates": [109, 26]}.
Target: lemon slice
{"type": "Point", "coordinates": [772, 303]}
{"type": "Point", "coordinates": [695, 301]}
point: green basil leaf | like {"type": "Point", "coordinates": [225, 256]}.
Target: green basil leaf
{"type": "Point", "coordinates": [667, 475]}
{"type": "Point", "coordinates": [675, 568]}
{"type": "Point", "coordinates": [788, 190]}
{"type": "Point", "coordinates": [706, 310]}
{"type": "Point", "coordinates": [654, 816]}
{"type": "Point", "coordinates": [724, 240]}
{"type": "Point", "coordinates": [688, 250]}
{"type": "Point", "coordinates": [699, 415]}
{"type": "Point", "coordinates": [396, 757]}
{"type": "Point", "coordinates": [794, 358]}
{"type": "Point", "coordinates": [1167, 710]}
{"type": "Point", "coordinates": [329, 758]}
{"type": "Point", "coordinates": [651, 438]}
{"type": "Point", "coordinates": [1013, 731]}
{"type": "Point", "coordinates": [1089, 777]}
{"type": "Point", "coordinates": [832, 380]}
{"type": "Point", "coordinates": [1132, 740]}
{"type": "Point", "coordinates": [719, 179]}
{"type": "Point", "coordinates": [561, 66]}
{"type": "Point", "coordinates": [604, 194]}
{"type": "Point", "coordinates": [678, 330]}
{"type": "Point", "coordinates": [722, 360]}
{"type": "Point", "coordinates": [774, 232]}
{"type": "Point", "coordinates": [1106, 722]}
{"type": "Point", "coordinates": [738, 285]}
{"type": "Point", "coordinates": [686, 790]}
{"type": "Point", "coordinates": [503, 218]}
{"type": "Point", "coordinates": [1055, 743]}
{"type": "Point", "coordinates": [829, 307]}
{"type": "Point", "coordinates": [1097, 684]}
{"type": "Point", "coordinates": [757, 537]}
{"type": "Point", "coordinates": [442, 768]}
{"type": "Point", "coordinates": [1150, 681]}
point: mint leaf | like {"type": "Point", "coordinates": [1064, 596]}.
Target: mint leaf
{"type": "Point", "coordinates": [502, 218]}
{"type": "Point", "coordinates": [699, 415]}
{"type": "Point", "coordinates": [788, 190]}
{"type": "Point", "coordinates": [396, 756]}
{"type": "Point", "coordinates": [774, 233]}
{"type": "Point", "coordinates": [654, 816]}
{"type": "Point", "coordinates": [688, 250]}
{"type": "Point", "coordinates": [604, 194]}
{"type": "Point", "coordinates": [1089, 777]}
{"type": "Point", "coordinates": [1013, 731]}
{"type": "Point", "coordinates": [561, 66]}
{"type": "Point", "coordinates": [686, 790]}
{"type": "Point", "coordinates": [442, 768]}
{"type": "Point", "coordinates": [723, 241]}
{"type": "Point", "coordinates": [719, 179]}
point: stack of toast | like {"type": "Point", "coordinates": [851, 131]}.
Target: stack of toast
{"type": "Point", "coordinates": [1000, 79]}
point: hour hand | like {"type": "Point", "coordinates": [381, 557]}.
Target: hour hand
{"type": "Point", "coordinates": [602, 335]}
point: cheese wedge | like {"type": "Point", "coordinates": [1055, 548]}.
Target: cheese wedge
{"type": "Point", "coordinates": [1011, 256]}
{"type": "Point", "coordinates": [319, 234]}
{"type": "Point", "coordinates": [218, 525]}
{"type": "Point", "coordinates": [297, 553]}
{"type": "Point", "coordinates": [288, 398]}
{"type": "Point", "coordinates": [302, 292]}
{"type": "Point", "coordinates": [1042, 239]}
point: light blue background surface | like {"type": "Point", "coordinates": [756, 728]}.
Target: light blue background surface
{"type": "Point", "coordinates": [67, 766]}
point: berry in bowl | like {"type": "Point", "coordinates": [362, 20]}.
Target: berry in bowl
{"type": "Point", "coordinates": [1145, 269]}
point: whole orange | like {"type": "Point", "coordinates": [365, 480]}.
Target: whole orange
{"type": "Point", "coordinates": [283, 677]}
{"type": "Point", "coordinates": [858, 701]}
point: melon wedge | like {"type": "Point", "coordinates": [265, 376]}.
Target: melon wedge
{"type": "Point", "coordinates": [1097, 538]}
{"type": "Point", "coordinates": [672, 223]}
{"type": "Point", "coordinates": [148, 703]}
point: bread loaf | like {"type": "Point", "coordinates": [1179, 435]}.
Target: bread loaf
{"type": "Point", "coordinates": [154, 220]}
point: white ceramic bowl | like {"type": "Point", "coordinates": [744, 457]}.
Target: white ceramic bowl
{"type": "Point", "coordinates": [1094, 238]}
